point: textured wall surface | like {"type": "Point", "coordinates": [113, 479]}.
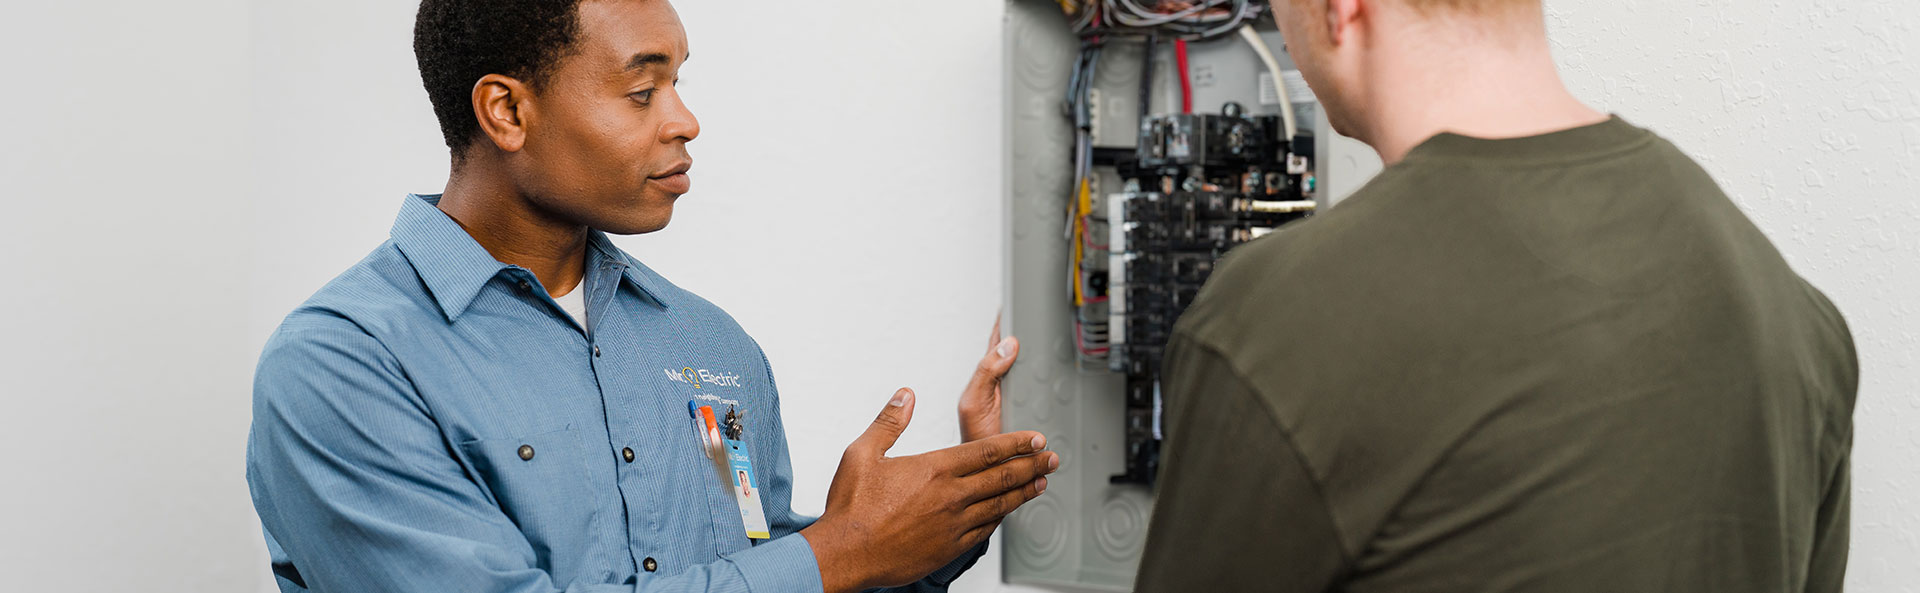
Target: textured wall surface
{"type": "Point", "coordinates": [1808, 113]}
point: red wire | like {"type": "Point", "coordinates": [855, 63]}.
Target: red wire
{"type": "Point", "coordinates": [1086, 238]}
{"type": "Point", "coordinates": [1186, 87]}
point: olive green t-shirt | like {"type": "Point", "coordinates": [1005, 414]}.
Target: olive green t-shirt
{"type": "Point", "coordinates": [1553, 364]}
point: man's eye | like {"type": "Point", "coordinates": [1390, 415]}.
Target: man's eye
{"type": "Point", "coordinates": [643, 96]}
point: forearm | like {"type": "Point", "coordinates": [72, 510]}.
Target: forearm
{"type": "Point", "coordinates": [842, 569]}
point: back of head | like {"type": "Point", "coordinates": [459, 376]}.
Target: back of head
{"type": "Point", "coordinates": [1377, 64]}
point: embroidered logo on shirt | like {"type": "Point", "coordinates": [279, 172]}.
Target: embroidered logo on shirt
{"type": "Point", "coordinates": [703, 377]}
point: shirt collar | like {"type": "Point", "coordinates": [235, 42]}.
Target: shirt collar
{"type": "Point", "coordinates": [640, 276]}
{"type": "Point", "coordinates": [455, 267]}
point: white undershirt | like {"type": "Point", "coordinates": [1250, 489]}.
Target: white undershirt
{"type": "Point", "coordinates": [574, 303]}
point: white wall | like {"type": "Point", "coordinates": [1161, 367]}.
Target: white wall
{"type": "Point", "coordinates": [124, 348]}
{"type": "Point", "coordinates": [177, 176]}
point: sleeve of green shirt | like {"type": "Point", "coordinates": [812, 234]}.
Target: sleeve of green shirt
{"type": "Point", "coordinates": [1827, 569]}
{"type": "Point", "coordinates": [1233, 491]}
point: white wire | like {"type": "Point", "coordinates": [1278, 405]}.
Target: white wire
{"type": "Point", "coordinates": [1282, 207]}
{"type": "Point", "coordinates": [1201, 19]}
{"type": "Point", "coordinates": [1279, 81]}
{"type": "Point", "coordinates": [1126, 12]}
{"type": "Point", "coordinates": [1148, 18]}
{"type": "Point", "coordinates": [1248, 10]}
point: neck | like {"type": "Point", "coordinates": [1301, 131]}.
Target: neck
{"type": "Point", "coordinates": [514, 230]}
{"type": "Point", "coordinates": [1483, 84]}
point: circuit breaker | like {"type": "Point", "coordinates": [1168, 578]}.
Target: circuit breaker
{"type": "Point", "coordinates": [1136, 158]}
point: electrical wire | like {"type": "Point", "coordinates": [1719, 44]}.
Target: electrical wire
{"type": "Point", "coordinates": [1088, 337]}
{"type": "Point", "coordinates": [1279, 80]}
{"type": "Point", "coordinates": [1080, 343]}
{"type": "Point", "coordinates": [1186, 19]}
{"type": "Point", "coordinates": [1282, 207]}
{"type": "Point", "coordinates": [1186, 82]}
{"type": "Point", "coordinates": [1146, 78]}
{"type": "Point", "coordinates": [1096, 21]}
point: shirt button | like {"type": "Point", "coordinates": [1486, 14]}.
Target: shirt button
{"type": "Point", "coordinates": [526, 452]}
{"type": "Point", "coordinates": [525, 286]}
{"type": "Point", "coordinates": [649, 564]}
{"type": "Point", "coordinates": [596, 351]}
{"type": "Point", "coordinates": [627, 454]}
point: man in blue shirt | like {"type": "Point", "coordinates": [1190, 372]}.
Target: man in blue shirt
{"type": "Point", "coordinates": [500, 400]}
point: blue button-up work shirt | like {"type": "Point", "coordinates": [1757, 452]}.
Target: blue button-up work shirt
{"type": "Point", "coordinates": [432, 421]}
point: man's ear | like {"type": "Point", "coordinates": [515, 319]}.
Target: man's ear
{"type": "Point", "coordinates": [502, 104]}
{"type": "Point", "coordinates": [1342, 17]}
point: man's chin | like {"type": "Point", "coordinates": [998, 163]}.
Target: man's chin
{"type": "Point", "coordinates": [638, 225]}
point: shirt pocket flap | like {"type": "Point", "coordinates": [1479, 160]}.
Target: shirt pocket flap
{"type": "Point", "coordinates": [540, 481]}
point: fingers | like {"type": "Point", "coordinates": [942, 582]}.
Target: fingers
{"type": "Point", "coordinates": [886, 428]}
{"type": "Point", "coordinates": [994, 365]}
{"type": "Point", "coordinates": [994, 338]}
{"type": "Point", "coordinates": [969, 458]}
{"type": "Point", "coordinates": [1011, 475]}
{"type": "Point", "coordinates": [992, 510]}
{"type": "Point", "coordinates": [973, 537]}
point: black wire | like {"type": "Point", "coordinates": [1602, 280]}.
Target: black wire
{"type": "Point", "coordinates": [1146, 80]}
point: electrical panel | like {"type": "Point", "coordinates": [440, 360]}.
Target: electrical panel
{"type": "Point", "coordinates": [1197, 186]}
{"type": "Point", "coordinates": [1135, 161]}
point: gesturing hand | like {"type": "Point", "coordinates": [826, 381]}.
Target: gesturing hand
{"type": "Point", "coordinates": [980, 401]}
{"type": "Point", "coordinates": [893, 520]}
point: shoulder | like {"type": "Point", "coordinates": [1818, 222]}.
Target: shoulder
{"type": "Point", "coordinates": [340, 323]}
{"type": "Point", "coordinates": [1305, 266]}
{"type": "Point", "coordinates": [381, 290]}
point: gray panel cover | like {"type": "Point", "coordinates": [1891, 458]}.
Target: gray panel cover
{"type": "Point", "coordinates": [1084, 533]}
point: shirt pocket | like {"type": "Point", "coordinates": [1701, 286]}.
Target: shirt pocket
{"type": "Point", "coordinates": [729, 530]}
{"type": "Point", "coordinates": [541, 482]}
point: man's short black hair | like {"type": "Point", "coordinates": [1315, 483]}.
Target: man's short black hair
{"type": "Point", "coordinates": [458, 41]}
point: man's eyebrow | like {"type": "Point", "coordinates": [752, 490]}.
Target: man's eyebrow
{"type": "Point", "coordinates": [643, 60]}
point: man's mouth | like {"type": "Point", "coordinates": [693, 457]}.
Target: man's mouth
{"type": "Point", "coordinates": [674, 180]}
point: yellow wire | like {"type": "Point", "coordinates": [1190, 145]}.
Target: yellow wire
{"type": "Point", "coordinates": [1086, 197]}
{"type": "Point", "coordinates": [1082, 206]}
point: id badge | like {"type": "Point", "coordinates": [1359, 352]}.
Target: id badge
{"type": "Point", "coordinates": [735, 464]}
{"type": "Point", "coordinates": [740, 475]}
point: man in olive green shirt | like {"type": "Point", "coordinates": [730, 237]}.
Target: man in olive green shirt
{"type": "Point", "coordinates": [1542, 352]}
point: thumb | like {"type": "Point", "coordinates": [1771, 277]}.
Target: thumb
{"type": "Point", "coordinates": [892, 421]}
{"type": "Point", "coordinates": [995, 365]}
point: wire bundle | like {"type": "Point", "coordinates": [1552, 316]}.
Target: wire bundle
{"type": "Point", "coordinates": [1090, 335]}
{"type": "Point", "coordinates": [1096, 22]}
{"type": "Point", "coordinates": [1183, 19]}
